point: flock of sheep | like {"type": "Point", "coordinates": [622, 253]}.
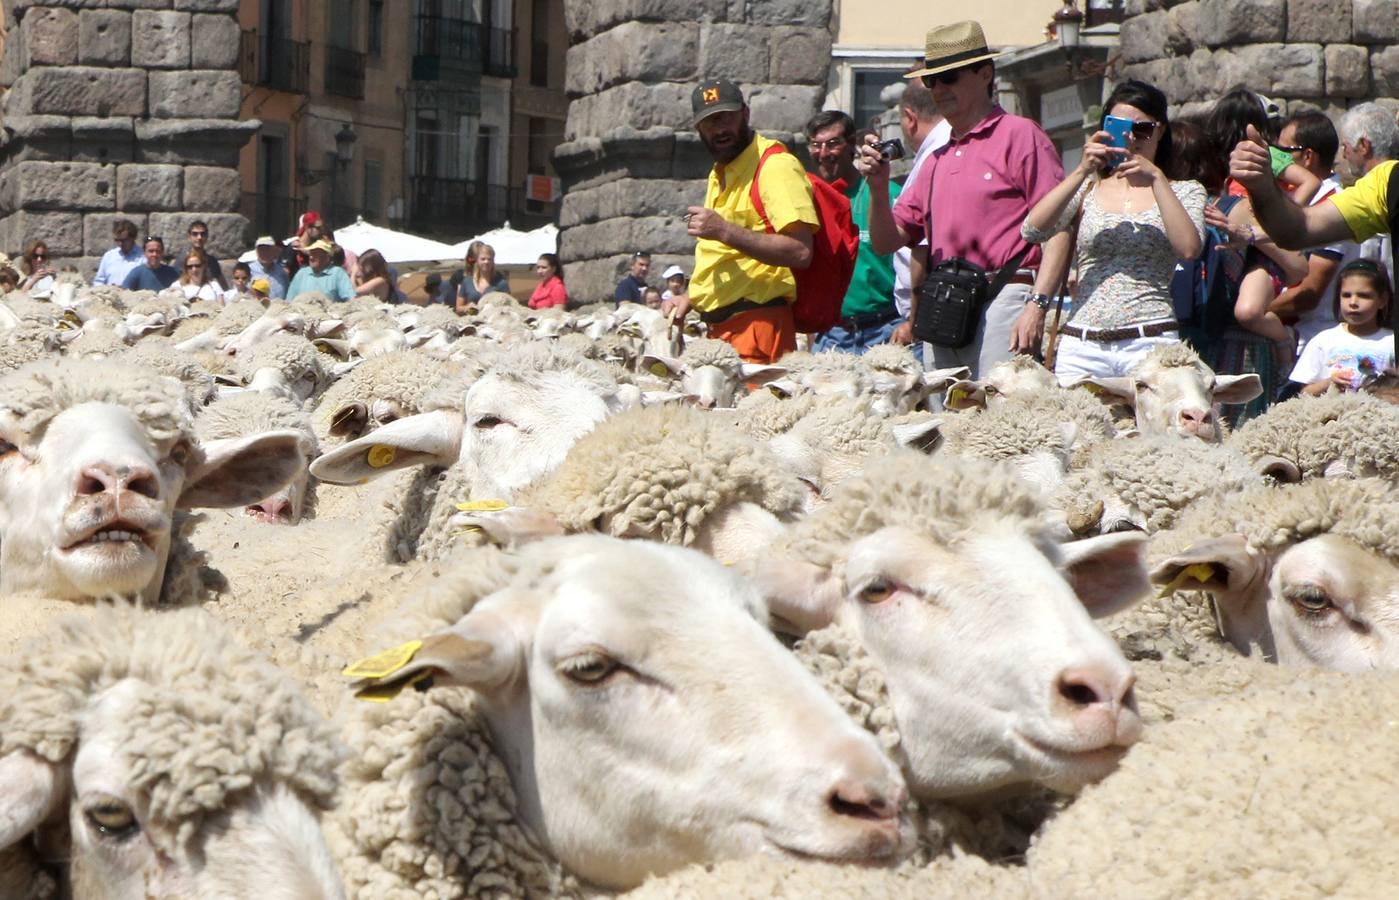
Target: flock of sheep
{"type": "Point", "coordinates": [346, 600]}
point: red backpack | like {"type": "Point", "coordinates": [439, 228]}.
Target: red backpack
{"type": "Point", "coordinates": [821, 286]}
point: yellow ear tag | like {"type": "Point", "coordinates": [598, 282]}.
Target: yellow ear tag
{"type": "Point", "coordinates": [1199, 573]}
{"type": "Point", "coordinates": [660, 370]}
{"type": "Point", "coordinates": [385, 663]}
{"type": "Point", "coordinates": [958, 395]}
{"type": "Point", "coordinates": [383, 693]}
{"type": "Point", "coordinates": [1096, 390]}
{"type": "Point", "coordinates": [380, 455]}
{"type": "Point", "coordinates": [482, 505]}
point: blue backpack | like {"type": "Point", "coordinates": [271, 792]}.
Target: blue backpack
{"type": "Point", "coordinates": [1203, 290]}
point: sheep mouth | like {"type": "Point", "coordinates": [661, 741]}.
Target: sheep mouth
{"type": "Point", "coordinates": [875, 852]}
{"type": "Point", "coordinates": [117, 533]}
{"type": "Point", "coordinates": [1103, 757]}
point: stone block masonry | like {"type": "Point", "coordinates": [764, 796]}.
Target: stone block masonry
{"type": "Point", "coordinates": [1306, 54]}
{"type": "Point", "coordinates": [631, 162]}
{"type": "Point", "coordinates": [120, 109]}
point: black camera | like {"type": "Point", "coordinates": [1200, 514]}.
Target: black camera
{"type": "Point", "coordinates": [891, 149]}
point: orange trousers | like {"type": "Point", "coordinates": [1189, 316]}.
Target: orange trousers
{"type": "Point", "coordinates": [759, 335]}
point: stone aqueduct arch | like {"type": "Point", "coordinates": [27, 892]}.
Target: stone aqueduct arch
{"type": "Point", "coordinates": [631, 162]}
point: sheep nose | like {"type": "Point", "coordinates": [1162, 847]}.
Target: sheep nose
{"type": "Point", "coordinates": [109, 478]}
{"type": "Point", "coordinates": [1196, 420]}
{"type": "Point", "coordinates": [272, 509]}
{"type": "Point", "coordinates": [704, 402]}
{"type": "Point", "coordinates": [1100, 703]}
{"type": "Point", "coordinates": [861, 799]}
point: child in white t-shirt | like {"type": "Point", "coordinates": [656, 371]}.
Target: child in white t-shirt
{"type": "Point", "coordinates": [1359, 349]}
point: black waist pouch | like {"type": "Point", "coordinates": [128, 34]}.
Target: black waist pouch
{"type": "Point", "coordinates": [949, 303]}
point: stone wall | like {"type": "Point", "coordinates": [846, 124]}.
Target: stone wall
{"type": "Point", "coordinates": [119, 109]}
{"type": "Point", "coordinates": [1306, 54]}
{"type": "Point", "coordinates": [631, 162]}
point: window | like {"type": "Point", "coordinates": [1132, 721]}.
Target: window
{"type": "Point", "coordinates": [538, 146]}
{"type": "Point", "coordinates": [373, 185]}
{"type": "Point", "coordinates": [376, 27]}
{"type": "Point", "coordinates": [342, 24]}
{"type": "Point", "coordinates": [868, 84]}
{"type": "Point", "coordinates": [539, 44]}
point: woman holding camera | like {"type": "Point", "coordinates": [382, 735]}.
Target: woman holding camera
{"type": "Point", "coordinates": [1133, 224]}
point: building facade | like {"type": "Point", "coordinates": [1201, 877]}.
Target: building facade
{"type": "Point", "coordinates": [426, 115]}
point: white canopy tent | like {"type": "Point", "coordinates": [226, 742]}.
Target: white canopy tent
{"type": "Point", "coordinates": [516, 248]}
{"type": "Point", "coordinates": [396, 246]}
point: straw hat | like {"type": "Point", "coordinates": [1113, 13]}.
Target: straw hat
{"type": "Point", "coordinates": [952, 47]}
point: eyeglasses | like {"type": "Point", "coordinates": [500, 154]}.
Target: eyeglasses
{"type": "Point", "coordinates": [949, 77]}
{"type": "Point", "coordinates": [832, 144]}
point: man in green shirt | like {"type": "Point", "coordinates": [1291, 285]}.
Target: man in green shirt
{"type": "Point", "coordinates": [868, 315]}
{"type": "Point", "coordinates": [321, 275]}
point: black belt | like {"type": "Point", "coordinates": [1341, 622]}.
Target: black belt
{"type": "Point", "coordinates": [723, 313]}
{"type": "Point", "coordinates": [1127, 333]}
{"type": "Point", "coordinates": [868, 320]}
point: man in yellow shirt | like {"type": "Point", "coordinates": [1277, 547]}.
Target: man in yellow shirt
{"type": "Point", "coordinates": [1365, 209]}
{"type": "Point", "coordinates": [743, 285]}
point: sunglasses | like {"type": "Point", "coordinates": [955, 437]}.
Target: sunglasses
{"type": "Point", "coordinates": [950, 77]}
{"type": "Point", "coordinates": [153, 237]}
{"type": "Point", "coordinates": [194, 265]}
{"type": "Point", "coordinates": [1144, 130]}
{"type": "Point", "coordinates": [199, 234]}
{"type": "Point", "coordinates": [41, 256]}
{"type": "Point", "coordinates": [1286, 149]}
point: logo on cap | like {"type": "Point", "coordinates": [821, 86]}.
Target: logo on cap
{"type": "Point", "coordinates": [711, 95]}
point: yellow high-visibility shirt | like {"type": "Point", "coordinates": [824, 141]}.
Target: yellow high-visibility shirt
{"type": "Point", "coordinates": [1365, 205]}
{"type": "Point", "coordinates": [724, 275]}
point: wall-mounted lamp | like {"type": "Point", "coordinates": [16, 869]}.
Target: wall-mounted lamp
{"type": "Point", "coordinates": [344, 155]}
{"type": "Point", "coordinates": [1067, 22]}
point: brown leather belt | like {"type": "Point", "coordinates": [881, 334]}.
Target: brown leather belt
{"type": "Point", "coordinates": [1130, 332]}
{"type": "Point", "coordinates": [1021, 279]}
{"type": "Point", "coordinates": [730, 310]}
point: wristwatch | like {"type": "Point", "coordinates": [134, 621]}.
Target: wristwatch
{"type": "Point", "coordinates": [1040, 300]}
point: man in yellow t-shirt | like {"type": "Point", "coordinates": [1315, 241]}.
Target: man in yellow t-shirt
{"type": "Point", "coordinates": [743, 284]}
{"type": "Point", "coordinates": [1365, 209]}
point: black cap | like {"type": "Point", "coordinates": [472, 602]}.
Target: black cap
{"type": "Point", "coordinates": [715, 96]}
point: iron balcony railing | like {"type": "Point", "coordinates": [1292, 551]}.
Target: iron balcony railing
{"type": "Point", "coordinates": [344, 72]}
{"type": "Point", "coordinates": [461, 44]}
{"type": "Point", "coordinates": [277, 63]}
{"type": "Point", "coordinates": [461, 204]}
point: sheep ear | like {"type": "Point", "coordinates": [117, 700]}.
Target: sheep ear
{"type": "Point", "coordinates": [326, 327]}
{"type": "Point", "coordinates": [480, 652]}
{"type": "Point", "coordinates": [753, 373]}
{"type": "Point", "coordinates": [425, 439]}
{"type": "Point", "coordinates": [937, 379]}
{"type": "Point", "coordinates": [920, 435]}
{"type": "Point", "coordinates": [801, 596]}
{"type": "Point", "coordinates": [660, 366]}
{"type": "Point", "coordinates": [243, 470]}
{"type": "Point", "coordinates": [1107, 572]}
{"type": "Point", "coordinates": [963, 394]}
{"type": "Point", "coordinates": [31, 789]}
{"type": "Point", "coordinates": [1237, 388]}
{"type": "Point", "coordinates": [1109, 390]}
{"type": "Point", "coordinates": [1224, 565]}
{"type": "Point", "coordinates": [349, 419]}
{"type": "Point", "coordinates": [782, 387]}
{"type": "Point", "coordinates": [1283, 471]}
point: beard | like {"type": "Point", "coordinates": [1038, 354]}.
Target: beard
{"type": "Point", "coordinates": [728, 152]}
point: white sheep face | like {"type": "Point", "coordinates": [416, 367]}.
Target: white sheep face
{"type": "Point", "coordinates": [1179, 400]}
{"type": "Point", "coordinates": [269, 845]}
{"type": "Point", "coordinates": [85, 511]}
{"type": "Point", "coordinates": [996, 672]}
{"type": "Point", "coordinates": [650, 720]}
{"type": "Point", "coordinates": [512, 429]}
{"type": "Point", "coordinates": [1325, 602]}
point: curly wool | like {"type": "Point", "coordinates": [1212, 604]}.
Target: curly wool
{"type": "Point", "coordinates": [252, 412]}
{"type": "Point", "coordinates": [939, 498]}
{"type": "Point", "coordinates": [36, 393]}
{"type": "Point", "coordinates": [1172, 356]}
{"type": "Point", "coordinates": [292, 355]}
{"type": "Point", "coordinates": [1181, 625]}
{"type": "Point", "coordinates": [1312, 433]}
{"type": "Point", "coordinates": [764, 415]}
{"type": "Point", "coordinates": [198, 382]}
{"type": "Point", "coordinates": [212, 721]}
{"type": "Point", "coordinates": [1241, 792]}
{"type": "Point", "coordinates": [403, 377]}
{"type": "Point", "coordinates": [1156, 476]}
{"type": "Point", "coordinates": [429, 808]}
{"type": "Point", "coordinates": [662, 471]}
{"type": "Point", "coordinates": [708, 352]}
{"type": "Point", "coordinates": [1017, 427]}
{"type": "Point", "coordinates": [1363, 510]}
{"type": "Point", "coordinates": [895, 358]}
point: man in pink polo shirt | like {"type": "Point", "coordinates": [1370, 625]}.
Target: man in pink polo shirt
{"type": "Point", "coordinates": [981, 184]}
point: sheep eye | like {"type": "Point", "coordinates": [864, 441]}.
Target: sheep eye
{"type": "Point", "coordinates": [488, 422]}
{"type": "Point", "coordinates": [1310, 600]}
{"type": "Point", "coordinates": [588, 668]}
{"type": "Point", "coordinates": [1142, 387]}
{"type": "Point", "coordinates": [179, 454]}
{"type": "Point", "coordinates": [7, 448]}
{"type": "Point", "coordinates": [811, 486]}
{"type": "Point", "coordinates": [877, 591]}
{"type": "Point", "coordinates": [991, 390]}
{"type": "Point", "coordinates": [112, 819]}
